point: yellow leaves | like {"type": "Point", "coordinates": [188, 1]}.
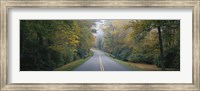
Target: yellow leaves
{"type": "Point", "coordinates": [63, 49]}
{"type": "Point", "coordinates": [74, 50]}
{"type": "Point", "coordinates": [73, 41]}
{"type": "Point", "coordinates": [119, 24]}
{"type": "Point", "coordinates": [128, 40]}
{"type": "Point", "coordinates": [150, 40]}
{"type": "Point", "coordinates": [66, 36]}
{"type": "Point", "coordinates": [58, 48]}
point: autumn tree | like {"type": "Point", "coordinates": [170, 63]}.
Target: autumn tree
{"type": "Point", "coordinates": [47, 44]}
{"type": "Point", "coordinates": [144, 41]}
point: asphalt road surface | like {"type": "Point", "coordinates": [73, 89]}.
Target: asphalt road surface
{"type": "Point", "coordinates": [100, 62]}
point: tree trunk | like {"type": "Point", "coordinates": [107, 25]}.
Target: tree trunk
{"type": "Point", "coordinates": [161, 49]}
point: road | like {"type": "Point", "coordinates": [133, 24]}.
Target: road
{"type": "Point", "coordinates": [100, 62]}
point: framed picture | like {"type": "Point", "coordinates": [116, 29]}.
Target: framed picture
{"type": "Point", "coordinates": [99, 45]}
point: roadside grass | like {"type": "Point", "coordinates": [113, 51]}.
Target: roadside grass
{"type": "Point", "coordinates": [139, 66]}
{"type": "Point", "coordinates": [135, 66]}
{"type": "Point", "coordinates": [74, 64]}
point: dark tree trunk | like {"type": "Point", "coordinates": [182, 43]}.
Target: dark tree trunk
{"type": "Point", "coordinates": [161, 49]}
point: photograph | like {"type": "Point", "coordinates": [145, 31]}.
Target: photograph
{"type": "Point", "coordinates": [100, 45]}
{"type": "Point", "coordinates": [81, 45]}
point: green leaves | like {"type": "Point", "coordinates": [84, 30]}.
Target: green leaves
{"type": "Point", "coordinates": [141, 38]}
{"type": "Point", "coordinates": [47, 44]}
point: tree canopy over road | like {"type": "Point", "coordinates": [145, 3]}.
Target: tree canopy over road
{"type": "Point", "coordinates": [49, 44]}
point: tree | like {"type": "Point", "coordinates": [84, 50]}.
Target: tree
{"type": "Point", "coordinates": [161, 46]}
{"type": "Point", "coordinates": [47, 44]}
{"type": "Point", "coordinates": [144, 41]}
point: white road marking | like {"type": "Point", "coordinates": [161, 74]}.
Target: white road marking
{"type": "Point", "coordinates": [100, 63]}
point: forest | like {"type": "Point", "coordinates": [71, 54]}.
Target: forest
{"type": "Point", "coordinates": [143, 41]}
{"type": "Point", "coordinates": [49, 44]}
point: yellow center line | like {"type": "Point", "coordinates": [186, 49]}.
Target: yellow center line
{"type": "Point", "coordinates": [100, 63]}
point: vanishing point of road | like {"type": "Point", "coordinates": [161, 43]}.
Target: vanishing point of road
{"type": "Point", "coordinates": [100, 62]}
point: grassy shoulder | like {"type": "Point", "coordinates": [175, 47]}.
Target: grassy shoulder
{"type": "Point", "coordinates": [74, 64]}
{"type": "Point", "coordinates": [135, 66]}
{"type": "Point", "coordinates": [139, 66]}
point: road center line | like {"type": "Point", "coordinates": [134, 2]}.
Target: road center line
{"type": "Point", "coordinates": [100, 63]}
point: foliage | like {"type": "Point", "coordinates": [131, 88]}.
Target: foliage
{"type": "Point", "coordinates": [93, 30]}
{"type": "Point", "coordinates": [48, 44]}
{"type": "Point", "coordinates": [71, 66]}
{"type": "Point", "coordinates": [139, 41]}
